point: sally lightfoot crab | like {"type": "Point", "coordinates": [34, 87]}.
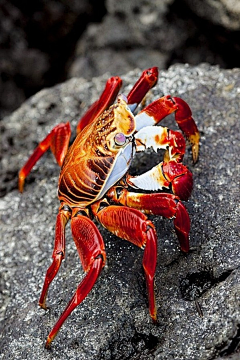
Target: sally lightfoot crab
{"type": "Point", "coordinates": [94, 181]}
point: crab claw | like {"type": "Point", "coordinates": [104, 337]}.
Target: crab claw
{"type": "Point", "coordinates": [160, 108]}
{"type": "Point", "coordinates": [188, 126]}
{"type": "Point", "coordinates": [180, 178]}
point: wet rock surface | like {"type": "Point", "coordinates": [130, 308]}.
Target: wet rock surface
{"type": "Point", "coordinates": [197, 294]}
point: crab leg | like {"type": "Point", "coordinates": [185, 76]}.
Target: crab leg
{"type": "Point", "coordinates": [159, 137]}
{"type": "Point", "coordinates": [147, 81]}
{"type": "Point", "coordinates": [132, 225]}
{"type": "Point", "coordinates": [57, 140]}
{"type": "Point", "coordinates": [58, 253]}
{"type": "Point", "coordinates": [166, 174]}
{"type": "Point", "coordinates": [163, 204]}
{"type": "Point", "coordinates": [91, 250]}
{"type": "Point", "coordinates": [159, 109]}
{"type": "Point", "coordinates": [107, 98]}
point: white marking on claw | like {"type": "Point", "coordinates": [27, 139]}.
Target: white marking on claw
{"type": "Point", "coordinates": [151, 180]}
{"type": "Point", "coordinates": [143, 120]}
{"type": "Point", "coordinates": [151, 136]}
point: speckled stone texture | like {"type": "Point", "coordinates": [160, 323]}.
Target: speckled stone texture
{"type": "Point", "coordinates": [113, 322]}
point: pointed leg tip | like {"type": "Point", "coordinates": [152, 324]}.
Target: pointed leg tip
{"type": "Point", "coordinates": [153, 312]}
{"type": "Point", "coordinates": [195, 160]}
{"type": "Point", "coordinates": [48, 343]}
{"type": "Point", "coordinates": [185, 249]}
{"type": "Point", "coordinates": [50, 338]}
{"type": "Point", "coordinates": [194, 140]}
{"type": "Point", "coordinates": [195, 153]}
{"type": "Point", "coordinates": [154, 318]}
{"type": "Point", "coordinates": [21, 184]}
{"type": "Point", "coordinates": [43, 305]}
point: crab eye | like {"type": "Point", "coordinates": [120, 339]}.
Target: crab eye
{"type": "Point", "coordinates": [120, 139]}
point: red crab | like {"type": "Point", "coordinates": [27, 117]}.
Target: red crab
{"type": "Point", "coordinates": [94, 181]}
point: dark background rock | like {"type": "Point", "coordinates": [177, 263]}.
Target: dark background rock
{"type": "Point", "coordinates": [45, 42]}
{"type": "Point", "coordinates": [37, 39]}
{"type": "Point", "coordinates": [113, 322]}
{"type": "Point", "coordinates": [222, 12]}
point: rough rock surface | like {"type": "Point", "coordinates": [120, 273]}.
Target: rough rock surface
{"type": "Point", "coordinates": [221, 12]}
{"type": "Point", "coordinates": [38, 40]}
{"type": "Point", "coordinates": [132, 34]}
{"type": "Point", "coordinates": [139, 33]}
{"type": "Point", "coordinates": [34, 40]}
{"type": "Point", "coordinates": [113, 322]}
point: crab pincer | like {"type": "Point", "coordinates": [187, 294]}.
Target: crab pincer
{"type": "Point", "coordinates": [160, 108]}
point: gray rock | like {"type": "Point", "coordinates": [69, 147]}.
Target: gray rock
{"type": "Point", "coordinates": [137, 33]}
{"type": "Point", "coordinates": [113, 321]}
{"type": "Point", "coordinates": [132, 34]}
{"type": "Point", "coordinates": [17, 61]}
{"type": "Point", "coordinates": [33, 43]}
{"type": "Point", "coordinates": [220, 12]}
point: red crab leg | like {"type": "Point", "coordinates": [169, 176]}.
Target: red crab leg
{"type": "Point", "coordinates": [91, 250]}
{"type": "Point", "coordinates": [57, 140]}
{"type": "Point", "coordinates": [162, 204]}
{"type": "Point", "coordinates": [147, 81]}
{"type": "Point", "coordinates": [58, 253]}
{"type": "Point", "coordinates": [166, 174]}
{"type": "Point", "coordinates": [132, 225]}
{"type": "Point", "coordinates": [107, 98]}
{"type": "Point", "coordinates": [159, 109]}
